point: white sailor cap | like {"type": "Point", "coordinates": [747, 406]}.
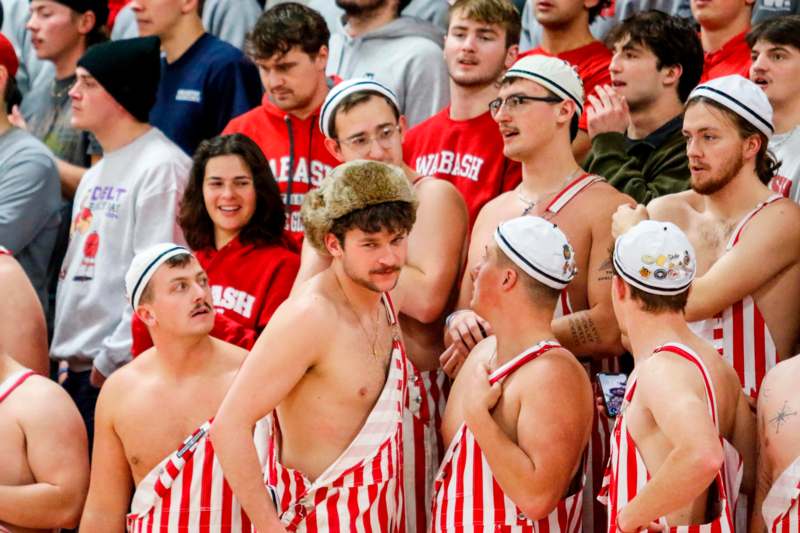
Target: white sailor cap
{"type": "Point", "coordinates": [344, 89]}
{"type": "Point", "coordinates": [741, 96]}
{"type": "Point", "coordinates": [655, 257]}
{"type": "Point", "coordinates": [145, 264]}
{"type": "Point", "coordinates": [539, 248]}
{"type": "Point", "coordinates": [551, 73]}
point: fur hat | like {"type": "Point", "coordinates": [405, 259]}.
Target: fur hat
{"type": "Point", "coordinates": [349, 187]}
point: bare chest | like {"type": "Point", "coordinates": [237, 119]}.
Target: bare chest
{"type": "Point", "coordinates": [710, 239]}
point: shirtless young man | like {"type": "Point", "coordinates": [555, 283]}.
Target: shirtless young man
{"type": "Point", "coordinates": [23, 332]}
{"type": "Point", "coordinates": [331, 368]}
{"type": "Point", "coordinates": [361, 120]}
{"type": "Point", "coordinates": [685, 421]}
{"type": "Point", "coordinates": [746, 298]}
{"type": "Point", "coordinates": [777, 500]}
{"type": "Point", "coordinates": [537, 109]}
{"type": "Point", "coordinates": [153, 415]}
{"type": "Point", "coordinates": [518, 393]}
{"type": "Point", "coordinates": [44, 471]}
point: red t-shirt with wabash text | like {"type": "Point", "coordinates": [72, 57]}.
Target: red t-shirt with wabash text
{"type": "Point", "coordinates": [591, 62]}
{"type": "Point", "coordinates": [467, 153]}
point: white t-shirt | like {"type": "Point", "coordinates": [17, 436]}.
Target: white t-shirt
{"type": "Point", "coordinates": [786, 147]}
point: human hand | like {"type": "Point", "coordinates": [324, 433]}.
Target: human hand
{"type": "Point", "coordinates": [16, 119]}
{"type": "Point", "coordinates": [626, 217]}
{"type": "Point", "coordinates": [466, 327]}
{"type": "Point", "coordinates": [452, 359]}
{"type": "Point", "coordinates": [482, 396]}
{"type": "Point", "coordinates": [96, 378]}
{"type": "Point", "coordinates": [607, 112]}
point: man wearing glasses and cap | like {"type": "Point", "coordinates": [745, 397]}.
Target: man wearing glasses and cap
{"type": "Point", "coordinates": [685, 422]}
{"type": "Point", "coordinates": [361, 120]}
{"type": "Point", "coordinates": [153, 415]}
{"type": "Point", "coordinates": [518, 393]}
{"type": "Point", "coordinates": [537, 111]}
{"type": "Point", "coordinates": [746, 299]}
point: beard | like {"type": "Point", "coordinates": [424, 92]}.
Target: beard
{"type": "Point", "coordinates": [478, 79]}
{"type": "Point", "coordinates": [360, 8]}
{"type": "Point", "coordinates": [716, 183]}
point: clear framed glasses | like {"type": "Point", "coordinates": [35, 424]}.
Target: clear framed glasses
{"type": "Point", "coordinates": [515, 100]}
{"type": "Point", "coordinates": [361, 143]}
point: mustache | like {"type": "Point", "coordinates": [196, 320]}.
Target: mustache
{"type": "Point", "coordinates": [390, 270]}
{"type": "Point", "coordinates": [202, 306]}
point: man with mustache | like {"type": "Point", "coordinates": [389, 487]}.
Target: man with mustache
{"type": "Point", "coordinates": [168, 394]}
{"type": "Point", "coordinates": [746, 298]}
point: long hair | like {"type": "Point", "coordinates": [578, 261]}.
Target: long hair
{"type": "Point", "coordinates": [266, 224]}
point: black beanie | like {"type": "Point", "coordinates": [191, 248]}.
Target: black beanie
{"type": "Point", "coordinates": [98, 7]}
{"type": "Point", "coordinates": [129, 69]}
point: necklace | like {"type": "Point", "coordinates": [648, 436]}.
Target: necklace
{"type": "Point", "coordinates": [374, 340]}
{"type": "Point", "coordinates": [530, 204]}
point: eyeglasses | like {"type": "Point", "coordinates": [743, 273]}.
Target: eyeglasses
{"type": "Point", "coordinates": [515, 100]}
{"type": "Point", "coordinates": [362, 143]}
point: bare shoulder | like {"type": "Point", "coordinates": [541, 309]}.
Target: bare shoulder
{"type": "Point", "coordinates": [232, 356]}
{"type": "Point", "coordinates": [673, 207]}
{"type": "Point", "coordinates": [558, 373]}
{"type": "Point", "coordinates": [490, 216]}
{"type": "Point", "coordinates": [126, 380]}
{"type": "Point", "coordinates": [40, 402]}
{"type": "Point", "coordinates": [437, 188]}
{"type": "Point", "coordinates": [313, 305]}
{"type": "Point", "coordinates": [604, 191]}
{"type": "Point", "coordinates": [780, 382]}
{"type": "Point", "coordinates": [783, 214]}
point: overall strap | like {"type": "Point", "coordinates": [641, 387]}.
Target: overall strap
{"type": "Point", "coordinates": [740, 227]}
{"type": "Point", "coordinates": [508, 368]}
{"type": "Point", "coordinates": [569, 192]}
{"type": "Point", "coordinates": [13, 381]}
{"type": "Point", "coordinates": [688, 354]}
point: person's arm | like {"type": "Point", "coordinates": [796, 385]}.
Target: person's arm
{"type": "Point", "coordinates": [594, 332]}
{"type": "Point", "coordinates": [23, 333]}
{"type": "Point", "coordinates": [743, 439]}
{"type": "Point", "coordinates": [57, 454]}
{"type": "Point", "coordinates": [311, 263]}
{"type": "Point", "coordinates": [434, 252]}
{"type": "Point", "coordinates": [279, 351]}
{"type": "Point", "coordinates": [111, 483]}
{"type": "Point", "coordinates": [70, 175]}
{"type": "Point", "coordinates": [760, 255]}
{"type": "Point", "coordinates": [763, 479]}
{"type": "Point", "coordinates": [672, 391]}
{"type": "Point", "coordinates": [532, 472]}
{"type": "Point", "coordinates": [26, 190]}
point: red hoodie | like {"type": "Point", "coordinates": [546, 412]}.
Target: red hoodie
{"type": "Point", "coordinates": [295, 150]}
{"type": "Point", "coordinates": [248, 283]}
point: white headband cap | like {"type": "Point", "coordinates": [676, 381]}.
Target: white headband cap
{"type": "Point", "coordinates": [741, 96]}
{"type": "Point", "coordinates": [539, 248]}
{"type": "Point", "coordinates": [655, 257]}
{"type": "Point", "coordinates": [553, 74]}
{"type": "Point", "coordinates": [145, 264]}
{"type": "Point", "coordinates": [344, 89]}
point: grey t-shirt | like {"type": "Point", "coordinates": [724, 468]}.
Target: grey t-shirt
{"type": "Point", "coordinates": [30, 199]}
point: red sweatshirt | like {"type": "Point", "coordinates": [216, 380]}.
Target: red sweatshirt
{"type": "Point", "coordinates": [248, 283]}
{"type": "Point", "coordinates": [591, 61]}
{"type": "Point", "coordinates": [295, 150]}
{"type": "Point", "coordinates": [467, 153]}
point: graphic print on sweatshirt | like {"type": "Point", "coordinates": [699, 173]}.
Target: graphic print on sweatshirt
{"type": "Point", "coordinates": [98, 201]}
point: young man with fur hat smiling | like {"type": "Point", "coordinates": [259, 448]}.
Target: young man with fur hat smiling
{"type": "Point", "coordinates": [519, 414]}
{"type": "Point", "coordinates": [123, 204]}
{"type": "Point", "coordinates": [361, 119]}
{"type": "Point", "coordinates": [336, 393]}
{"type": "Point", "coordinates": [685, 422]}
{"type": "Point", "coordinates": [168, 458]}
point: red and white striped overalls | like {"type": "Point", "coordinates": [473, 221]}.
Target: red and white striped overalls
{"type": "Point", "coordinates": [422, 441]}
{"type": "Point", "coordinates": [362, 490]}
{"type": "Point", "coordinates": [781, 508]}
{"type": "Point", "coordinates": [467, 497]}
{"type": "Point", "coordinates": [627, 473]}
{"type": "Point", "coordinates": [594, 512]}
{"type": "Point", "coordinates": [739, 332]}
{"type": "Point", "coordinates": [187, 492]}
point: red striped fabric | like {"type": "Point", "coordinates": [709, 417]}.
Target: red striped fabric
{"type": "Point", "coordinates": [627, 473]}
{"type": "Point", "coordinates": [781, 508]}
{"type": "Point", "coordinates": [467, 497]}
{"type": "Point", "coordinates": [739, 332]}
{"type": "Point", "coordinates": [187, 493]}
{"type": "Point", "coordinates": [363, 489]}
{"type": "Point", "coordinates": [423, 448]}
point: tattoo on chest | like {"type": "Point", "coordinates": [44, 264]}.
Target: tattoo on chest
{"type": "Point", "coordinates": [782, 416]}
{"type": "Point", "coordinates": [583, 330]}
